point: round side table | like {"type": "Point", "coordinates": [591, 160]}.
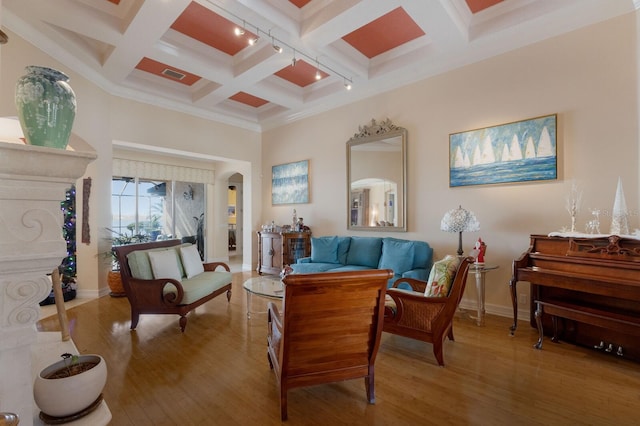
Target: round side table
{"type": "Point", "coordinates": [480, 271]}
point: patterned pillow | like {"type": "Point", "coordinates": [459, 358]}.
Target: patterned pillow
{"type": "Point", "coordinates": [441, 277]}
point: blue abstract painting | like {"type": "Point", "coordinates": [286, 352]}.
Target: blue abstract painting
{"type": "Point", "coordinates": [513, 152]}
{"type": "Point", "coordinates": [290, 183]}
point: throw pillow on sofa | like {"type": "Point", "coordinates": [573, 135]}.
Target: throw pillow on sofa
{"type": "Point", "coordinates": [397, 255]}
{"type": "Point", "coordinates": [165, 264]}
{"type": "Point", "coordinates": [364, 251]}
{"type": "Point", "coordinates": [441, 277]}
{"type": "Point", "coordinates": [324, 249]}
{"type": "Point", "coordinates": [191, 261]}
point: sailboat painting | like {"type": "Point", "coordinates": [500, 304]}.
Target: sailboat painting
{"type": "Point", "coordinates": [514, 152]}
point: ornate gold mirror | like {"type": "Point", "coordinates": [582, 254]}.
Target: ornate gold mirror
{"type": "Point", "coordinates": [377, 178]}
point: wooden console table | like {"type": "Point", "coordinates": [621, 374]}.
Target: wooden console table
{"type": "Point", "coordinates": [276, 249]}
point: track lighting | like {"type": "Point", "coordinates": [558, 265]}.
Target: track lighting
{"type": "Point", "coordinates": [239, 31]}
{"type": "Point", "coordinates": [275, 46]}
{"type": "Point", "coordinates": [278, 45]}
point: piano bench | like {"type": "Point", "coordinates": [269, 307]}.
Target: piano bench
{"type": "Point", "coordinates": [629, 324]}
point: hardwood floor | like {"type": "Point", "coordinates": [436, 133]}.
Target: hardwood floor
{"type": "Point", "coordinates": [217, 373]}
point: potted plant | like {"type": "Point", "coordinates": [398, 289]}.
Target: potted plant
{"type": "Point", "coordinates": [71, 387]}
{"type": "Point", "coordinates": [114, 280]}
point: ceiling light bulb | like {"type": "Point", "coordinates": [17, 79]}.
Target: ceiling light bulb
{"type": "Point", "coordinates": [277, 48]}
{"type": "Point", "coordinates": [347, 85]}
{"type": "Point", "coordinates": [253, 41]}
{"type": "Point", "coordinates": [318, 75]}
{"type": "Point", "coordinates": [238, 31]}
{"type": "Point", "coordinates": [293, 61]}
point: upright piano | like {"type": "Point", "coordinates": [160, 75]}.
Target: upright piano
{"type": "Point", "coordinates": [587, 289]}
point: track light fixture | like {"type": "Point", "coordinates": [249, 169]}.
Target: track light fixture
{"type": "Point", "coordinates": [278, 46]}
{"type": "Point", "coordinates": [239, 31]}
{"type": "Point", "coordinates": [275, 46]}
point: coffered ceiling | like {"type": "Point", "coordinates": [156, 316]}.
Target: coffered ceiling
{"type": "Point", "coordinates": [187, 55]}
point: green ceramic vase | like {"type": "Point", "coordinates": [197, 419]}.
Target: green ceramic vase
{"type": "Point", "coordinates": [46, 107]}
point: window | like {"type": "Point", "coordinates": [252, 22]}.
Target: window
{"type": "Point", "coordinates": [150, 210]}
{"type": "Point", "coordinates": [138, 209]}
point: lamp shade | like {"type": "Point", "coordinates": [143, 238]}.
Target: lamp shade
{"type": "Point", "coordinates": [459, 220]}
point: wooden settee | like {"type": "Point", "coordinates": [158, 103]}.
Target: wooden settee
{"type": "Point", "coordinates": [159, 295]}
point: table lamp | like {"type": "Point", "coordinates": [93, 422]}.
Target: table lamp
{"type": "Point", "coordinates": [459, 220]}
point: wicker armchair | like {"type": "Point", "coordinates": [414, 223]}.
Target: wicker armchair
{"type": "Point", "coordinates": [429, 319]}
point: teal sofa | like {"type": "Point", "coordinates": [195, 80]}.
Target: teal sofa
{"type": "Point", "coordinates": [407, 259]}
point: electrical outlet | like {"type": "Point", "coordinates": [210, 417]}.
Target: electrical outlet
{"type": "Point", "coordinates": [523, 298]}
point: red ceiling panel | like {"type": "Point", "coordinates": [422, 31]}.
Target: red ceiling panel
{"type": "Point", "coordinates": [302, 74]}
{"type": "Point", "coordinates": [385, 33]}
{"type": "Point", "coordinates": [476, 6]}
{"type": "Point", "coordinates": [300, 3]}
{"type": "Point", "coordinates": [208, 27]}
{"type": "Point", "coordinates": [248, 99]}
{"type": "Point", "coordinates": [155, 67]}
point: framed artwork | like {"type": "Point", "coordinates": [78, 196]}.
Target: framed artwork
{"type": "Point", "coordinates": [290, 183]}
{"type": "Point", "coordinates": [514, 152]}
{"type": "Point", "coordinates": [231, 211]}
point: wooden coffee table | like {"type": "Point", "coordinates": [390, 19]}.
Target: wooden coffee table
{"type": "Point", "coordinates": [267, 286]}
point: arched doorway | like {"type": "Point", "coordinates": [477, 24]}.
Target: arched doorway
{"type": "Point", "coordinates": [235, 221]}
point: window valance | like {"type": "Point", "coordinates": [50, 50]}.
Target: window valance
{"type": "Point", "coordinates": [157, 171]}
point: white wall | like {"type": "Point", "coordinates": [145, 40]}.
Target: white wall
{"type": "Point", "coordinates": [588, 77]}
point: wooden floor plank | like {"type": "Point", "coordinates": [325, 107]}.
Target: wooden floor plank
{"type": "Point", "coordinates": [217, 373]}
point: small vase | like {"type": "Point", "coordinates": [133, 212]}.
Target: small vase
{"type": "Point", "coordinates": [46, 107]}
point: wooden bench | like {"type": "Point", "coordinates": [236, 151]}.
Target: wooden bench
{"type": "Point", "coordinates": [157, 295]}
{"type": "Point", "coordinates": [623, 322]}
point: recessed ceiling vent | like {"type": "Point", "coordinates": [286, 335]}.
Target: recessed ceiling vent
{"type": "Point", "coordinates": [173, 74]}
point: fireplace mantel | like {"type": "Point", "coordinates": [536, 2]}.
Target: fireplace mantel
{"type": "Point", "coordinates": [33, 182]}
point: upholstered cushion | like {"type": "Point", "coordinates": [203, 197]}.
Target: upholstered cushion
{"type": "Point", "coordinates": [365, 251]}
{"type": "Point", "coordinates": [191, 261]}
{"type": "Point", "coordinates": [324, 249]}
{"type": "Point", "coordinates": [310, 267]}
{"type": "Point", "coordinates": [141, 267]}
{"type": "Point", "coordinates": [164, 264]}
{"type": "Point", "coordinates": [390, 306]}
{"type": "Point", "coordinates": [396, 255]}
{"type": "Point", "coordinates": [200, 286]}
{"type": "Point", "coordinates": [423, 255]}
{"type": "Point", "coordinates": [441, 277]}
{"type": "Point", "coordinates": [343, 249]}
